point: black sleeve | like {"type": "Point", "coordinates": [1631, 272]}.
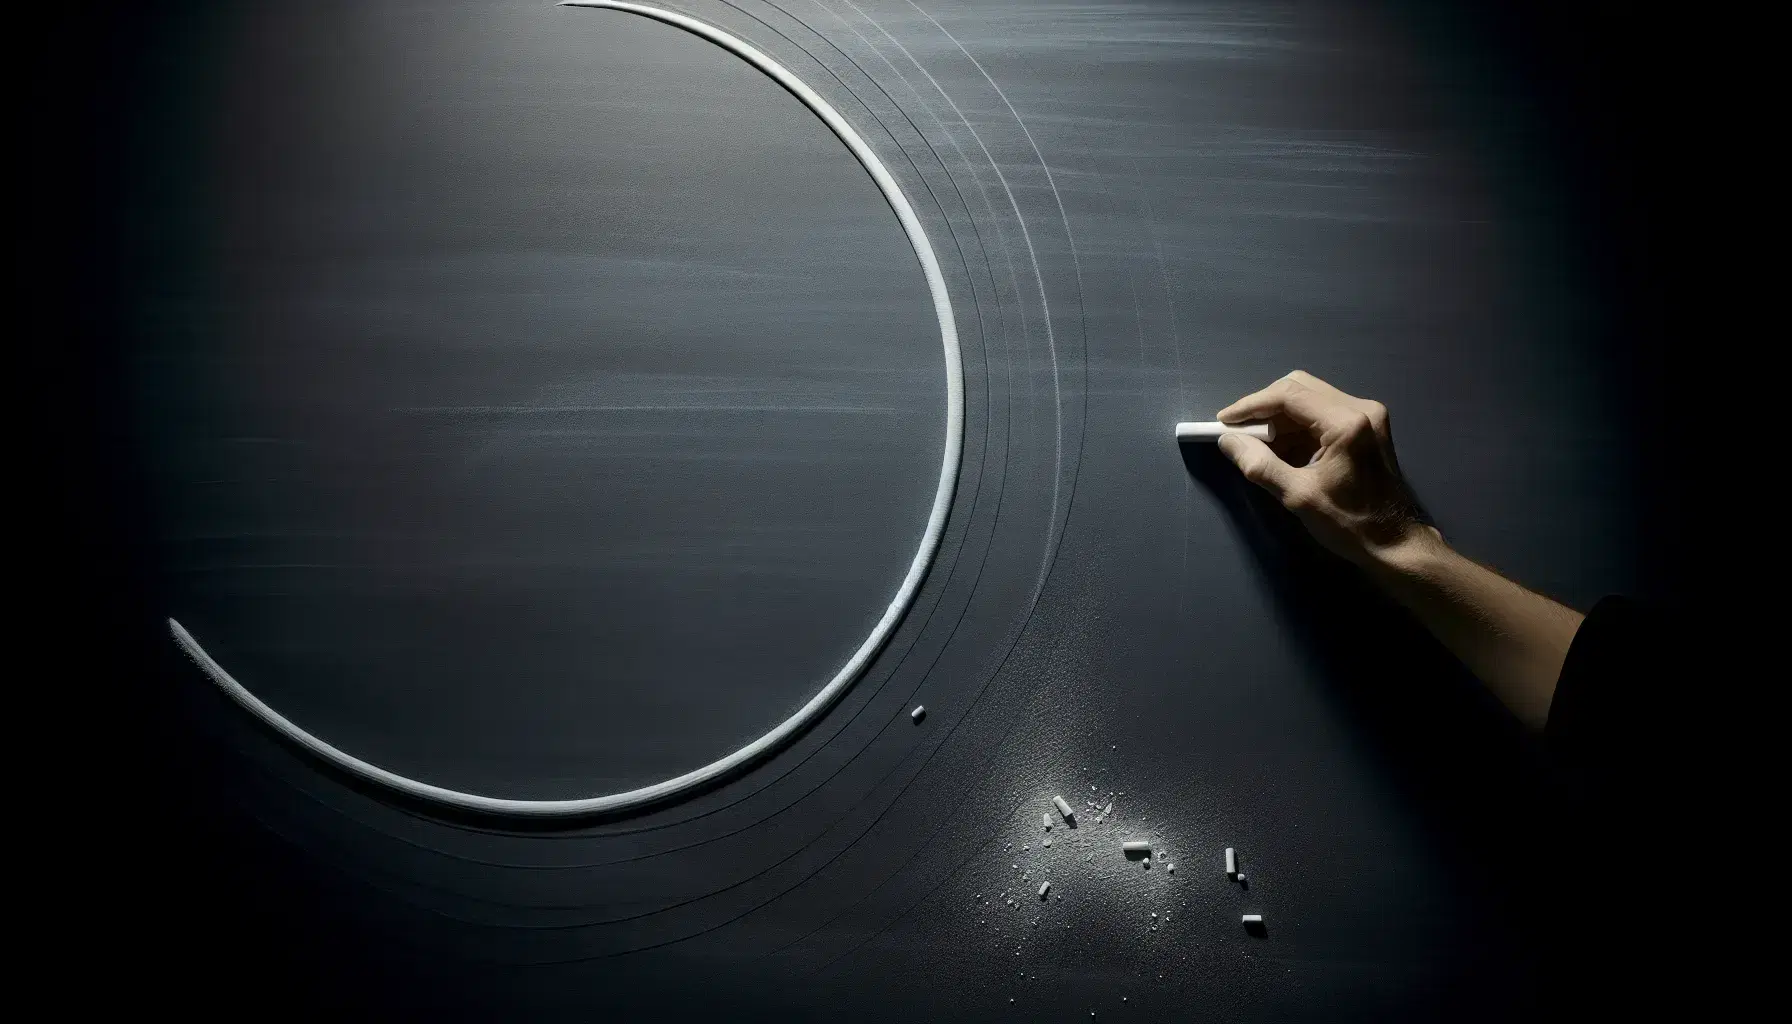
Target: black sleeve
{"type": "Point", "coordinates": [1609, 728]}
{"type": "Point", "coordinates": [1620, 740]}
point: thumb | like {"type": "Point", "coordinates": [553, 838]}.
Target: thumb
{"type": "Point", "coordinates": [1257, 462]}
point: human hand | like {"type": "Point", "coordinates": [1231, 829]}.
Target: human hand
{"type": "Point", "coordinates": [1332, 464]}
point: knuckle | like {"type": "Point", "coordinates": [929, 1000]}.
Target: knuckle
{"type": "Point", "coordinates": [1301, 497]}
{"type": "Point", "coordinates": [1377, 413]}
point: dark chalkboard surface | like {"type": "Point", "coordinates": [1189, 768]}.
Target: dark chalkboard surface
{"type": "Point", "coordinates": [527, 425]}
{"type": "Point", "coordinates": [540, 401]}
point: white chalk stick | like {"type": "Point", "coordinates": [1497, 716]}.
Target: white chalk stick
{"type": "Point", "coordinates": [1136, 846]}
{"type": "Point", "coordinates": [1064, 807]}
{"type": "Point", "coordinates": [1213, 431]}
{"type": "Point", "coordinates": [1253, 919]}
{"type": "Point", "coordinates": [1044, 887]}
{"type": "Point", "coordinates": [1231, 861]}
{"type": "Point", "coordinates": [1047, 820]}
{"type": "Point", "coordinates": [919, 713]}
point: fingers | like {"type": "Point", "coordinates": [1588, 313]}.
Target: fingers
{"type": "Point", "coordinates": [1258, 405]}
{"type": "Point", "coordinates": [1322, 410]}
{"type": "Point", "coordinates": [1258, 464]}
{"type": "Point", "coordinates": [1375, 411]}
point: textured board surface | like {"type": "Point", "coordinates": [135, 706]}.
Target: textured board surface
{"type": "Point", "coordinates": [538, 433]}
{"type": "Point", "coordinates": [540, 400]}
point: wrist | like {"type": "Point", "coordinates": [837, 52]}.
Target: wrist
{"type": "Point", "coordinates": [1421, 553]}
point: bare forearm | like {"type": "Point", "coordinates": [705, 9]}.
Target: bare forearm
{"type": "Point", "coordinates": [1333, 466]}
{"type": "Point", "coordinates": [1512, 639]}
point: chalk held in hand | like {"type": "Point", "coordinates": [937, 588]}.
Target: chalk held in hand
{"type": "Point", "coordinates": [1214, 430]}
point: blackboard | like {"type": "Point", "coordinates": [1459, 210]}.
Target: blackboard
{"type": "Point", "coordinates": [541, 401]}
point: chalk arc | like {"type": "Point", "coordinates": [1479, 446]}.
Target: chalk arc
{"type": "Point", "coordinates": [855, 665]}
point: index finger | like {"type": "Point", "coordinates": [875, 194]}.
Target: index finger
{"type": "Point", "coordinates": [1290, 398]}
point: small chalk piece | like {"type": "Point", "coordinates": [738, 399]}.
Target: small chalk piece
{"type": "Point", "coordinates": [1231, 861]}
{"type": "Point", "coordinates": [1171, 869]}
{"type": "Point", "coordinates": [1046, 819]}
{"type": "Point", "coordinates": [1253, 919]}
{"type": "Point", "coordinates": [1044, 887]}
{"type": "Point", "coordinates": [919, 713]}
{"type": "Point", "coordinates": [1213, 431]}
{"type": "Point", "coordinates": [1064, 807]}
{"type": "Point", "coordinates": [1135, 846]}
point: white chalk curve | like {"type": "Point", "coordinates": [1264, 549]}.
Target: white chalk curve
{"type": "Point", "coordinates": [855, 666]}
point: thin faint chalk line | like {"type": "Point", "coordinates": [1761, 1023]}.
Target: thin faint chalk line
{"type": "Point", "coordinates": [951, 140]}
{"type": "Point", "coordinates": [1038, 277]}
{"type": "Point", "coordinates": [1084, 325]}
{"type": "Point", "coordinates": [1163, 275]}
{"type": "Point", "coordinates": [1075, 262]}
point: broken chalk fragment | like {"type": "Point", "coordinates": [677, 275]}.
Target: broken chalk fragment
{"type": "Point", "coordinates": [1171, 869]}
{"type": "Point", "coordinates": [1064, 807]}
{"type": "Point", "coordinates": [1044, 887]}
{"type": "Point", "coordinates": [1046, 819]}
{"type": "Point", "coordinates": [919, 713]}
{"type": "Point", "coordinates": [1253, 919]}
{"type": "Point", "coordinates": [1136, 846]}
{"type": "Point", "coordinates": [1231, 861]}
